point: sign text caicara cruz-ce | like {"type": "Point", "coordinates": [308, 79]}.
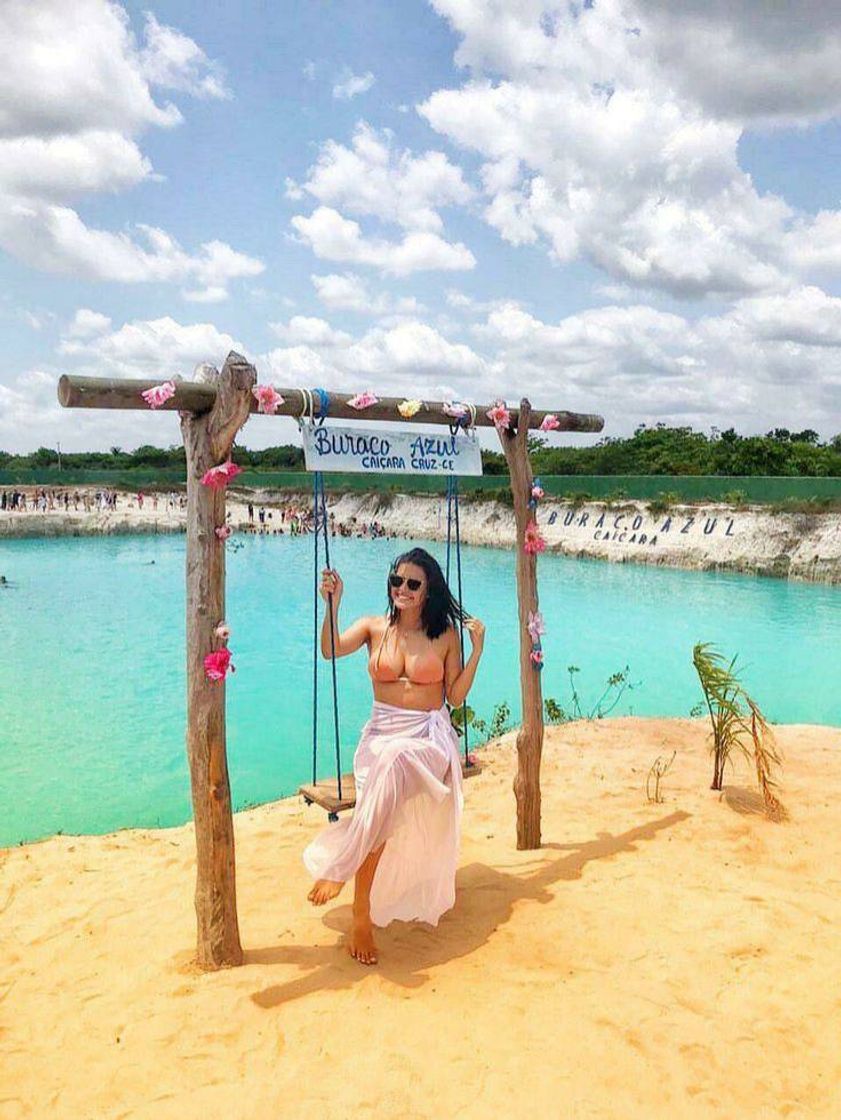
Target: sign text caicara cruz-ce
{"type": "Point", "coordinates": [389, 451]}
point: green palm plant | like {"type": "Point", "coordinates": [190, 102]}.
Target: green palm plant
{"type": "Point", "coordinates": [737, 724]}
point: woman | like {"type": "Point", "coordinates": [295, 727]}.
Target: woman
{"type": "Point", "coordinates": [401, 843]}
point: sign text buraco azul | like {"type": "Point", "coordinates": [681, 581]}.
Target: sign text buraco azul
{"type": "Point", "coordinates": [391, 451]}
{"type": "Point", "coordinates": [632, 527]}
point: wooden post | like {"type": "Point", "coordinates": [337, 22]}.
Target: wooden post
{"type": "Point", "coordinates": [208, 440]}
{"type": "Point", "coordinates": [530, 736]}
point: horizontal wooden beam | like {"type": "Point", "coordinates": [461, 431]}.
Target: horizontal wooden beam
{"type": "Point", "coordinates": [197, 396]}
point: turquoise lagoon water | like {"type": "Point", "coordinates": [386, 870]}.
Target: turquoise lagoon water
{"type": "Point", "coordinates": [92, 703]}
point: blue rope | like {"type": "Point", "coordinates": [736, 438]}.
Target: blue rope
{"type": "Point", "coordinates": [452, 509]}
{"type": "Point", "coordinates": [460, 601]}
{"type": "Point", "coordinates": [315, 634]}
{"type": "Point", "coordinates": [449, 521]}
{"type": "Point", "coordinates": [321, 398]}
{"type": "Point", "coordinates": [319, 510]}
{"type": "Point", "coordinates": [326, 529]}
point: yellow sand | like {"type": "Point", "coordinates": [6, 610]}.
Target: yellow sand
{"type": "Point", "coordinates": [666, 960]}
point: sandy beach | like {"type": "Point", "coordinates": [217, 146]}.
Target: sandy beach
{"type": "Point", "coordinates": [651, 960]}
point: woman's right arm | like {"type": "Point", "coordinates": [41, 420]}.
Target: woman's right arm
{"type": "Point", "coordinates": [356, 635]}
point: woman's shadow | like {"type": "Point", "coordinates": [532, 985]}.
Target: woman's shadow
{"type": "Point", "coordinates": [485, 898]}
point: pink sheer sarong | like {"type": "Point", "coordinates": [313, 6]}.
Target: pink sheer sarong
{"type": "Point", "coordinates": [408, 792]}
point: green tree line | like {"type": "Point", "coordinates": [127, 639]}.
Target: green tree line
{"type": "Point", "coordinates": [658, 450]}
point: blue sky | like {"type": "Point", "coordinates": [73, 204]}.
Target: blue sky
{"type": "Point", "coordinates": [606, 207]}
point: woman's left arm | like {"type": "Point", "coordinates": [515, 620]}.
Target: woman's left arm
{"type": "Point", "coordinates": [459, 681]}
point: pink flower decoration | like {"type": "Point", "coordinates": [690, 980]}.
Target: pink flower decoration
{"type": "Point", "coordinates": [537, 491]}
{"type": "Point", "coordinates": [536, 656]}
{"type": "Point", "coordinates": [550, 422]}
{"type": "Point", "coordinates": [268, 399]}
{"type": "Point", "coordinates": [217, 478]}
{"type": "Point", "coordinates": [363, 400]}
{"type": "Point", "coordinates": [533, 542]}
{"type": "Point", "coordinates": [535, 626]}
{"type": "Point", "coordinates": [159, 394]}
{"type": "Point", "coordinates": [499, 414]}
{"type": "Point", "coordinates": [223, 532]}
{"type": "Point", "coordinates": [217, 664]}
{"type": "Point", "coordinates": [222, 631]}
{"type": "Point", "coordinates": [454, 409]}
{"type": "Point", "coordinates": [472, 760]}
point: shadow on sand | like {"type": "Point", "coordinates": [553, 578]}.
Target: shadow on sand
{"type": "Point", "coordinates": [485, 898]}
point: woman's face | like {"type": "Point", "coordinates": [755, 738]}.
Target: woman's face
{"type": "Point", "coordinates": [411, 591]}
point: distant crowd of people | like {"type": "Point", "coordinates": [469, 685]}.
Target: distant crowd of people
{"type": "Point", "coordinates": [291, 517]}
{"type": "Point", "coordinates": [42, 500]}
{"type": "Point", "coordinates": [297, 520]}
{"type": "Point", "coordinates": [49, 501]}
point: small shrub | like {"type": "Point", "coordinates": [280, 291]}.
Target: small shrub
{"type": "Point", "coordinates": [656, 772]}
{"type": "Point", "coordinates": [734, 497]}
{"type": "Point", "coordinates": [615, 497]}
{"type": "Point", "coordinates": [553, 711]}
{"type": "Point", "coordinates": [663, 502]}
{"type": "Point", "coordinates": [737, 724]}
{"type": "Point", "coordinates": [457, 717]}
{"type": "Point", "coordinates": [577, 498]}
{"type": "Point", "coordinates": [500, 720]}
{"type": "Point", "coordinates": [616, 684]}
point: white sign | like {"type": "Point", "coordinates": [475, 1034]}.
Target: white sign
{"type": "Point", "coordinates": [389, 451]}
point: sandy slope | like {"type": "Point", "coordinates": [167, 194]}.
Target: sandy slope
{"type": "Point", "coordinates": [651, 960]}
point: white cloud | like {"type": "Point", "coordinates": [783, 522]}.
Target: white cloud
{"type": "Point", "coordinates": [55, 239]}
{"type": "Point", "coordinates": [309, 331]}
{"type": "Point", "coordinates": [778, 62]}
{"type": "Point", "coordinates": [607, 134]}
{"type": "Point", "coordinates": [774, 63]}
{"type": "Point", "coordinates": [30, 417]}
{"type": "Point", "coordinates": [407, 357]}
{"type": "Point", "coordinates": [57, 168]}
{"type": "Point", "coordinates": [632, 363]}
{"type": "Point", "coordinates": [349, 292]}
{"type": "Point", "coordinates": [293, 191]}
{"type": "Point", "coordinates": [350, 85]}
{"type": "Point", "coordinates": [174, 61]}
{"type": "Point", "coordinates": [335, 238]}
{"type": "Point", "coordinates": [806, 316]}
{"type": "Point", "coordinates": [371, 177]}
{"type": "Point", "coordinates": [30, 414]}
{"type": "Point", "coordinates": [637, 364]}
{"type": "Point", "coordinates": [37, 320]}
{"type": "Point", "coordinates": [86, 323]}
{"type": "Point", "coordinates": [75, 89]}
{"type": "Point", "coordinates": [71, 68]}
{"type": "Point", "coordinates": [215, 293]}
{"type": "Point", "coordinates": [152, 348]}
{"type": "Point", "coordinates": [467, 305]}
{"type": "Point", "coordinates": [374, 179]}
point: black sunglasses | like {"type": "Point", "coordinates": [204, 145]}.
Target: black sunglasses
{"type": "Point", "coordinates": [412, 584]}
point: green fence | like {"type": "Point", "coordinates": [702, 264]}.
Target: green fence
{"type": "Point", "coordinates": [686, 487]}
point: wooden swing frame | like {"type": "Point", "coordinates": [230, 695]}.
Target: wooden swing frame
{"type": "Point", "coordinates": [212, 411]}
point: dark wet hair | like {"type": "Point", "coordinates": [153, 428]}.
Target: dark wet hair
{"type": "Point", "coordinates": [440, 609]}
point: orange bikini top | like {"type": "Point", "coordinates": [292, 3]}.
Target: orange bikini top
{"type": "Point", "coordinates": [425, 668]}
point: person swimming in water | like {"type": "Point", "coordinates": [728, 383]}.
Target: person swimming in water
{"type": "Point", "coordinates": [401, 843]}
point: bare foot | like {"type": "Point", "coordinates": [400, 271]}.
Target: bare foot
{"type": "Point", "coordinates": [323, 891]}
{"type": "Point", "coordinates": [361, 944]}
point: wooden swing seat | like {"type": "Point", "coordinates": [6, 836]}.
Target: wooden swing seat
{"type": "Point", "coordinates": [326, 793]}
